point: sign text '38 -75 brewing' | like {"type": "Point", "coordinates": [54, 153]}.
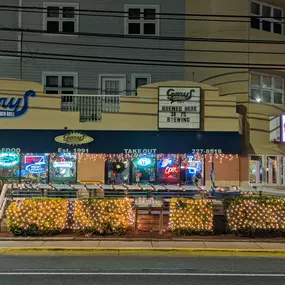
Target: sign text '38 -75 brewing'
{"type": "Point", "coordinates": [179, 108]}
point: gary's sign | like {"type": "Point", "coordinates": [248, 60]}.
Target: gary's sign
{"type": "Point", "coordinates": [11, 107]}
{"type": "Point", "coordinates": [179, 108]}
{"type": "Point", "coordinates": [179, 96]}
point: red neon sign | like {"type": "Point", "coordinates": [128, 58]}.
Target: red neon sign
{"type": "Point", "coordinates": [171, 170]}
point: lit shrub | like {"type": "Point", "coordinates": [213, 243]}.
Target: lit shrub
{"type": "Point", "coordinates": [255, 214]}
{"type": "Point", "coordinates": [37, 216]}
{"type": "Point", "coordinates": [188, 216]}
{"type": "Point", "coordinates": [103, 216]}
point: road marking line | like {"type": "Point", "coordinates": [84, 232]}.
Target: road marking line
{"type": "Point", "coordinates": [139, 274]}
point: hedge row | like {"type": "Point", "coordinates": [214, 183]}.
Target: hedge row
{"type": "Point", "coordinates": [188, 216]}
{"type": "Point", "coordinates": [114, 216]}
{"type": "Point", "coordinates": [255, 214]}
{"type": "Point", "coordinates": [37, 216]}
{"type": "Point", "coordinates": [43, 216]}
{"type": "Point", "coordinates": [105, 217]}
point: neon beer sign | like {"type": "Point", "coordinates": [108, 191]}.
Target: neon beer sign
{"type": "Point", "coordinates": [11, 107]}
{"type": "Point", "coordinates": [144, 162]}
{"type": "Point", "coordinates": [171, 170]}
{"type": "Point", "coordinates": [35, 164]}
{"type": "Point", "coordinates": [9, 159]}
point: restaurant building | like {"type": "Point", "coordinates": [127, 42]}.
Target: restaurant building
{"type": "Point", "coordinates": [244, 60]}
{"type": "Point", "coordinates": [166, 134]}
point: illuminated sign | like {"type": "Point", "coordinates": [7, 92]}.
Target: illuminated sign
{"type": "Point", "coordinates": [74, 138]}
{"type": "Point", "coordinates": [171, 170]}
{"type": "Point", "coordinates": [35, 164]}
{"type": "Point", "coordinates": [15, 107]}
{"type": "Point", "coordinates": [179, 108]}
{"type": "Point", "coordinates": [9, 159]}
{"type": "Point", "coordinates": [166, 162]}
{"type": "Point", "coordinates": [144, 161]}
{"type": "Point", "coordinates": [62, 164]}
{"type": "Point", "coordinates": [67, 155]}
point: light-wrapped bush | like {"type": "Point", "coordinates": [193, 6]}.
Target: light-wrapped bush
{"type": "Point", "coordinates": [255, 214]}
{"type": "Point", "coordinates": [103, 216]}
{"type": "Point", "coordinates": [188, 216]}
{"type": "Point", "coordinates": [37, 216]}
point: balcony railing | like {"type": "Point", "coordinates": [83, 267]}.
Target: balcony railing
{"type": "Point", "coordinates": [90, 107]}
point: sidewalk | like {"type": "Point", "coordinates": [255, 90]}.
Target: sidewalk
{"type": "Point", "coordinates": [143, 247]}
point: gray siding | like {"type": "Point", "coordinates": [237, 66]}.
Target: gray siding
{"type": "Point", "coordinates": [89, 71]}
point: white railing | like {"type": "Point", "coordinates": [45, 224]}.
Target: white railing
{"type": "Point", "coordinates": [90, 107]}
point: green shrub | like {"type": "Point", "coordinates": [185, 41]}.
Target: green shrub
{"type": "Point", "coordinates": [190, 217]}
{"type": "Point", "coordinates": [255, 214]}
{"type": "Point", "coordinates": [103, 216]}
{"type": "Point", "coordinates": [37, 216]}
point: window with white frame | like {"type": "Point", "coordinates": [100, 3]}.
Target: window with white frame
{"type": "Point", "coordinates": [60, 83]}
{"type": "Point", "coordinates": [142, 20]}
{"type": "Point", "coordinates": [272, 171]}
{"type": "Point", "coordinates": [266, 170]}
{"type": "Point", "coordinates": [112, 84]}
{"type": "Point", "coordinates": [256, 169]}
{"type": "Point", "coordinates": [61, 17]}
{"type": "Point", "coordinates": [266, 17]}
{"type": "Point", "coordinates": [139, 80]}
{"type": "Point", "coordinates": [266, 89]}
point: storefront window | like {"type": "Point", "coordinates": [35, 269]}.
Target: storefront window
{"type": "Point", "coordinates": [272, 170]}
{"type": "Point", "coordinates": [63, 168]}
{"type": "Point", "coordinates": [168, 170]}
{"type": "Point", "coordinates": [118, 172]}
{"type": "Point", "coordinates": [34, 167]}
{"type": "Point", "coordinates": [190, 167]}
{"type": "Point", "coordinates": [143, 169]}
{"type": "Point", "coordinates": [255, 170]}
{"type": "Point", "coordinates": [9, 165]}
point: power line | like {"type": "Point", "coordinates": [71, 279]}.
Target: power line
{"type": "Point", "coordinates": [143, 37]}
{"type": "Point", "coordinates": [142, 48]}
{"type": "Point", "coordinates": [139, 60]}
{"type": "Point", "coordinates": [126, 16]}
{"type": "Point", "coordinates": [129, 61]}
{"type": "Point", "coordinates": [159, 13]}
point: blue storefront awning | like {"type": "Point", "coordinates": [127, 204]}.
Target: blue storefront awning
{"type": "Point", "coordinates": [115, 142]}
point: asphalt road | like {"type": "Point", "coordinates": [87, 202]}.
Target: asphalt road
{"type": "Point", "coordinates": [138, 270]}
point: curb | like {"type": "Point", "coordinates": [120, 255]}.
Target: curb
{"type": "Point", "coordinates": [29, 239]}
{"type": "Point", "coordinates": [157, 251]}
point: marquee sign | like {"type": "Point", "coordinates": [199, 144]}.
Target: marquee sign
{"type": "Point", "coordinates": [179, 108]}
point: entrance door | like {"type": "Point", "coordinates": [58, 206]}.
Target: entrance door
{"type": "Point", "coordinates": [113, 85]}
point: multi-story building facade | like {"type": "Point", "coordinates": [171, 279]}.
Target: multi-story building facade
{"type": "Point", "coordinates": [245, 62]}
{"type": "Point", "coordinates": [93, 56]}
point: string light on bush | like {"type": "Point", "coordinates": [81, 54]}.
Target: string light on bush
{"type": "Point", "coordinates": [189, 216]}
{"type": "Point", "coordinates": [256, 213]}
{"type": "Point", "coordinates": [37, 216]}
{"type": "Point", "coordinates": [108, 216]}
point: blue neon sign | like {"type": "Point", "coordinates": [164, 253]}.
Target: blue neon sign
{"type": "Point", "coordinates": [144, 162]}
{"type": "Point", "coordinates": [35, 164]}
{"type": "Point", "coordinates": [15, 107]}
{"type": "Point", "coordinates": [9, 159]}
{"type": "Point", "coordinates": [167, 161]}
